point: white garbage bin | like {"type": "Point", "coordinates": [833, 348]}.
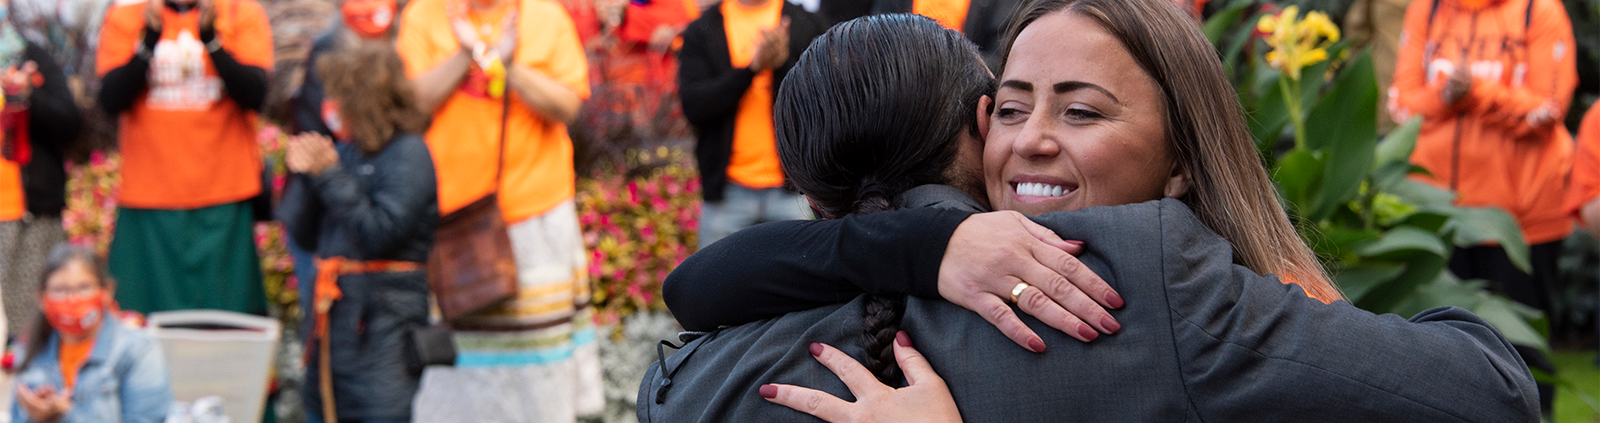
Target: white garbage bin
{"type": "Point", "coordinates": [218, 353]}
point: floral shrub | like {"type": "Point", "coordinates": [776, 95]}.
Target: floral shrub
{"type": "Point", "coordinates": [638, 225]}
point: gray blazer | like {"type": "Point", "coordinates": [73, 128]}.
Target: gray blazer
{"type": "Point", "coordinates": [1202, 339]}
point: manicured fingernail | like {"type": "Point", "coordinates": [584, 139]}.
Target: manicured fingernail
{"type": "Point", "coordinates": [1036, 345]}
{"type": "Point", "coordinates": [1110, 324]}
{"type": "Point", "coordinates": [902, 339]}
{"type": "Point", "coordinates": [1087, 333]}
{"type": "Point", "coordinates": [769, 391]}
{"type": "Point", "coordinates": [1114, 300]}
{"type": "Point", "coordinates": [816, 349]}
{"type": "Point", "coordinates": [1077, 243]}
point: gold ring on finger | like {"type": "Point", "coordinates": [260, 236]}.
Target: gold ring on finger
{"type": "Point", "coordinates": [1016, 291]}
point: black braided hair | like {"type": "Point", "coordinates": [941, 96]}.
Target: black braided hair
{"type": "Point", "coordinates": [857, 125]}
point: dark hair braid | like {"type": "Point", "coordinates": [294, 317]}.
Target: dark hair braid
{"type": "Point", "coordinates": [857, 125]}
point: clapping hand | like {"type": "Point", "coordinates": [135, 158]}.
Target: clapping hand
{"type": "Point", "coordinates": [310, 153]}
{"type": "Point", "coordinates": [1458, 86]}
{"type": "Point", "coordinates": [20, 82]}
{"type": "Point", "coordinates": [774, 48]}
{"type": "Point", "coordinates": [44, 404]}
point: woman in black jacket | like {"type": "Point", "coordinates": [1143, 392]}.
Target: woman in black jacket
{"type": "Point", "coordinates": [368, 208]}
{"type": "Point", "coordinates": [33, 182]}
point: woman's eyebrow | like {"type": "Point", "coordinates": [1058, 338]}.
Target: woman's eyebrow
{"type": "Point", "coordinates": [1017, 85]}
{"type": "Point", "coordinates": [1070, 86]}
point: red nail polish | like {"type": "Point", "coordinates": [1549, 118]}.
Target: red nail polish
{"type": "Point", "coordinates": [1077, 243]}
{"type": "Point", "coordinates": [902, 339]}
{"type": "Point", "coordinates": [1110, 324]}
{"type": "Point", "coordinates": [1036, 345]}
{"type": "Point", "coordinates": [816, 349]}
{"type": "Point", "coordinates": [769, 391]}
{"type": "Point", "coordinates": [1087, 333]}
{"type": "Point", "coordinates": [1114, 300]}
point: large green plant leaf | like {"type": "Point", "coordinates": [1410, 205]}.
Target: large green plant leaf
{"type": "Point", "coordinates": [1299, 176]}
{"type": "Point", "coordinates": [1421, 194]}
{"type": "Point", "coordinates": [1421, 252]}
{"type": "Point", "coordinates": [1487, 225]}
{"type": "Point", "coordinates": [1224, 20]}
{"type": "Point", "coordinates": [1502, 313]}
{"type": "Point", "coordinates": [1344, 124]}
{"type": "Point", "coordinates": [1397, 146]}
{"type": "Point", "coordinates": [1357, 281]}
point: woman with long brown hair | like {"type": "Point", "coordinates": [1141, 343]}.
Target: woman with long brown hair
{"type": "Point", "coordinates": [367, 207]}
{"type": "Point", "coordinates": [1195, 140]}
{"type": "Point", "coordinates": [1085, 119]}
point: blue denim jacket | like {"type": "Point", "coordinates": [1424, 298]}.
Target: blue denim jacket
{"type": "Point", "coordinates": [124, 379]}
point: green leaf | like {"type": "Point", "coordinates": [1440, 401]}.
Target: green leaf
{"type": "Point", "coordinates": [1357, 281]}
{"type": "Point", "coordinates": [1422, 267]}
{"type": "Point", "coordinates": [1404, 239]}
{"type": "Point", "coordinates": [1224, 20]}
{"type": "Point", "coordinates": [1397, 146]}
{"type": "Point", "coordinates": [1444, 290]}
{"type": "Point", "coordinates": [1427, 220]}
{"type": "Point", "coordinates": [1345, 125]}
{"type": "Point", "coordinates": [1387, 175]}
{"type": "Point", "coordinates": [1500, 312]}
{"type": "Point", "coordinates": [1421, 194]}
{"type": "Point", "coordinates": [1298, 174]}
{"type": "Point", "coordinates": [1474, 226]}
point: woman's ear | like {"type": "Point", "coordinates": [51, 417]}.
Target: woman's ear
{"type": "Point", "coordinates": [1178, 183]}
{"type": "Point", "coordinates": [984, 104]}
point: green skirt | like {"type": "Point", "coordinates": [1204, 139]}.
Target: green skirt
{"type": "Point", "coordinates": [187, 259]}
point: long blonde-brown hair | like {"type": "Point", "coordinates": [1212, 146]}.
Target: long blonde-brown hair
{"type": "Point", "coordinates": [374, 98]}
{"type": "Point", "coordinates": [1205, 124]}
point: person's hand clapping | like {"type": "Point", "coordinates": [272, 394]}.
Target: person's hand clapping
{"type": "Point", "coordinates": [925, 399]}
{"type": "Point", "coordinates": [991, 256]}
{"type": "Point", "coordinates": [465, 34]}
{"type": "Point", "coordinates": [507, 47]}
{"type": "Point", "coordinates": [1458, 86]}
{"type": "Point", "coordinates": [773, 51]}
{"type": "Point", "coordinates": [310, 154]}
{"type": "Point", "coordinates": [44, 404]}
{"type": "Point", "coordinates": [152, 25]}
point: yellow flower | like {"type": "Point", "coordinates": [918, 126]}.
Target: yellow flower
{"type": "Point", "coordinates": [1297, 43]}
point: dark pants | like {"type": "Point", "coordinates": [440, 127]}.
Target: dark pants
{"type": "Point", "coordinates": [1533, 290]}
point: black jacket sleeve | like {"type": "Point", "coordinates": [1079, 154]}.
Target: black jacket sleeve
{"type": "Point", "coordinates": [1245, 340]}
{"type": "Point", "coordinates": [123, 85]}
{"type": "Point", "coordinates": [387, 214]}
{"type": "Point", "coordinates": [300, 211]}
{"type": "Point", "coordinates": [54, 116]}
{"type": "Point", "coordinates": [780, 267]}
{"type": "Point", "coordinates": [246, 85]}
{"type": "Point", "coordinates": [708, 96]}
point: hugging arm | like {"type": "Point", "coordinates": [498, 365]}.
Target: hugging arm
{"type": "Point", "coordinates": [781, 267]}
{"type": "Point", "coordinates": [1252, 348]}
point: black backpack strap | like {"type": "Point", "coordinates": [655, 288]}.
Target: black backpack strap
{"type": "Point", "coordinates": [1527, 17]}
{"type": "Point", "coordinates": [661, 358]}
{"type": "Point", "coordinates": [1432, 12]}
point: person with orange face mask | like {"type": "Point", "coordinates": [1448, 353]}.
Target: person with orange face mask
{"type": "Point", "coordinates": [80, 364]}
{"type": "Point", "coordinates": [1491, 80]}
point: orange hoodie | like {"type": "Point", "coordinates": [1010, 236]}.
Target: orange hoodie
{"type": "Point", "coordinates": [1502, 144]}
{"type": "Point", "coordinates": [1585, 183]}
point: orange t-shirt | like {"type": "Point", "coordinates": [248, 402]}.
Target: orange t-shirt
{"type": "Point", "coordinates": [184, 144]}
{"type": "Point", "coordinates": [754, 162]}
{"type": "Point", "coordinates": [12, 199]}
{"type": "Point", "coordinates": [948, 13]}
{"type": "Point", "coordinates": [73, 355]}
{"type": "Point", "coordinates": [465, 136]}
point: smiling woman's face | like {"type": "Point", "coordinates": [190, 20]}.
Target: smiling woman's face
{"type": "Point", "coordinates": [1076, 123]}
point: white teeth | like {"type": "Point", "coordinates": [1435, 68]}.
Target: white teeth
{"type": "Point", "coordinates": [1040, 190]}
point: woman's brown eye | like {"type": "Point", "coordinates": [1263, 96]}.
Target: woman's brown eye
{"type": "Point", "coordinates": [1083, 114]}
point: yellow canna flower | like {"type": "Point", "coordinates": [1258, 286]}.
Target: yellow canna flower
{"type": "Point", "coordinates": [1297, 43]}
